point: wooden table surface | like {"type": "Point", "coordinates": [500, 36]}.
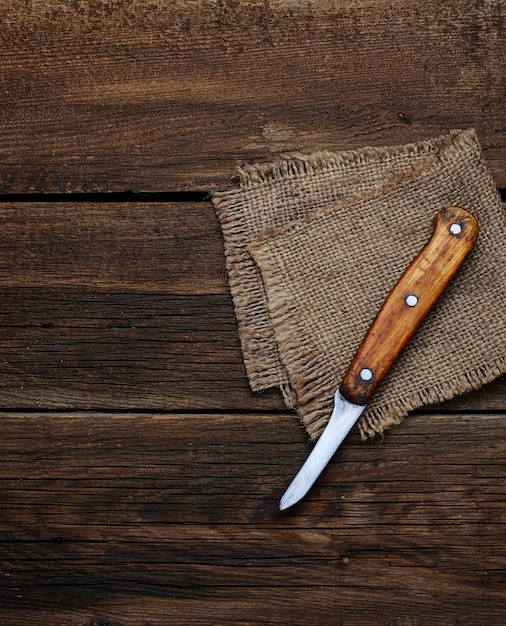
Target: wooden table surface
{"type": "Point", "coordinates": [139, 475]}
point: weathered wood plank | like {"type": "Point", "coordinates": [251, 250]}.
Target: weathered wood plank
{"type": "Point", "coordinates": [114, 95]}
{"type": "Point", "coordinates": [161, 519]}
{"type": "Point", "coordinates": [125, 306]}
{"type": "Point", "coordinates": [118, 306]}
{"type": "Point", "coordinates": [86, 349]}
{"type": "Point", "coordinates": [121, 247]}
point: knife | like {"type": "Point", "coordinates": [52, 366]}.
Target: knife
{"type": "Point", "coordinates": [402, 313]}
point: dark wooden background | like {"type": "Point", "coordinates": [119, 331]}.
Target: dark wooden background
{"type": "Point", "coordinates": [139, 476]}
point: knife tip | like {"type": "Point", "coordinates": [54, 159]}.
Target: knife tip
{"type": "Point", "coordinates": [287, 501]}
{"type": "Point", "coordinates": [283, 506]}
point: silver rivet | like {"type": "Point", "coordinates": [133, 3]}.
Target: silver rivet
{"type": "Point", "coordinates": [411, 300]}
{"type": "Point", "coordinates": [365, 374]}
{"type": "Point", "coordinates": [456, 229]}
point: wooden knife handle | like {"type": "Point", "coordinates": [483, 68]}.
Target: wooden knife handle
{"type": "Point", "coordinates": [409, 302]}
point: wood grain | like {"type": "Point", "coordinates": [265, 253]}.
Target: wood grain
{"type": "Point", "coordinates": [162, 519]}
{"type": "Point", "coordinates": [113, 306]}
{"type": "Point", "coordinates": [115, 247]}
{"type": "Point", "coordinates": [114, 95]}
{"type": "Point", "coordinates": [126, 306]}
{"type": "Point", "coordinates": [139, 475]}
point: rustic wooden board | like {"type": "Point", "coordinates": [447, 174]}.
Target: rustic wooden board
{"type": "Point", "coordinates": [118, 306]}
{"type": "Point", "coordinates": [126, 306]}
{"type": "Point", "coordinates": [114, 95]}
{"type": "Point", "coordinates": [139, 475]}
{"type": "Point", "coordinates": [162, 519]}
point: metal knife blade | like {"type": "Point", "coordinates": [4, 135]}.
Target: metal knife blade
{"type": "Point", "coordinates": [343, 416]}
{"type": "Point", "coordinates": [402, 313]}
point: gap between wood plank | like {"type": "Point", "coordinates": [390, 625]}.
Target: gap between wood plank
{"type": "Point", "coordinates": [428, 412]}
{"type": "Point", "coordinates": [126, 196]}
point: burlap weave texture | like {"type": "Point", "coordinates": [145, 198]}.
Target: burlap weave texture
{"type": "Point", "coordinates": [314, 244]}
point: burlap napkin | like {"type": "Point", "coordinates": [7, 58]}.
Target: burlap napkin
{"type": "Point", "coordinates": [313, 246]}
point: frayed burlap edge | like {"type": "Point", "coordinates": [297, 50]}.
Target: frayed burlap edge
{"type": "Point", "coordinates": [260, 353]}
{"type": "Point", "coordinates": [250, 298]}
{"type": "Point", "coordinates": [394, 412]}
{"type": "Point", "coordinates": [265, 369]}
{"type": "Point", "coordinates": [297, 165]}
